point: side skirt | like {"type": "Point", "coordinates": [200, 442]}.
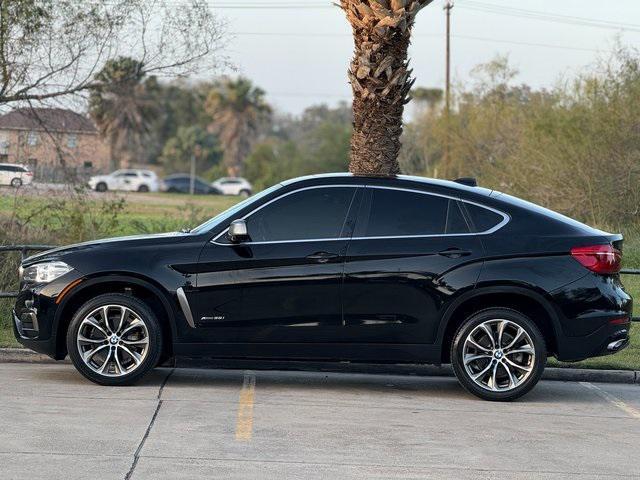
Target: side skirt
{"type": "Point", "coordinates": [323, 352]}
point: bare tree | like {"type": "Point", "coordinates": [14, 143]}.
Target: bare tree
{"type": "Point", "coordinates": [53, 48]}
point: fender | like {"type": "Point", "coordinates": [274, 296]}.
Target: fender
{"type": "Point", "coordinates": [481, 291]}
{"type": "Point", "coordinates": [115, 277]}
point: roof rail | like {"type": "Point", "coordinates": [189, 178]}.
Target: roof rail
{"type": "Point", "coordinates": [468, 181]}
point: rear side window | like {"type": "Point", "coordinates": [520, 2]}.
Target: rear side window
{"type": "Point", "coordinates": [394, 213]}
{"type": "Point", "coordinates": [455, 219]}
{"type": "Point", "coordinates": [315, 213]}
{"type": "Point", "coordinates": [483, 219]}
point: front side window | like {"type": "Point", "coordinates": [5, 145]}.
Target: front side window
{"type": "Point", "coordinates": [399, 213]}
{"type": "Point", "coordinates": [316, 213]}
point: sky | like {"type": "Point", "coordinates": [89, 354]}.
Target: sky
{"type": "Point", "coordinates": [299, 50]}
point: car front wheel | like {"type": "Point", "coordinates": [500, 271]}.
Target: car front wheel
{"type": "Point", "coordinates": [498, 354]}
{"type": "Point", "coordinates": [114, 339]}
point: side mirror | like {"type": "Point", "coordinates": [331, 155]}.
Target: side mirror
{"type": "Point", "coordinates": [238, 231]}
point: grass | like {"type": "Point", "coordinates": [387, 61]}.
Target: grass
{"type": "Point", "coordinates": [150, 213]}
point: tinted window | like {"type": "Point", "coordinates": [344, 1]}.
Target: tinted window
{"type": "Point", "coordinates": [401, 213]}
{"type": "Point", "coordinates": [11, 168]}
{"type": "Point", "coordinates": [482, 218]}
{"type": "Point", "coordinates": [455, 219]}
{"type": "Point", "coordinates": [308, 214]}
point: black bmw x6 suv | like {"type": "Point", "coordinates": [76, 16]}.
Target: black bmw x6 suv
{"type": "Point", "coordinates": [339, 268]}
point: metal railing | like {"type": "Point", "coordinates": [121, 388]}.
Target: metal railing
{"type": "Point", "coordinates": [24, 250]}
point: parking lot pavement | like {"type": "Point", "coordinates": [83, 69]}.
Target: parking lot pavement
{"type": "Point", "coordinates": [232, 424]}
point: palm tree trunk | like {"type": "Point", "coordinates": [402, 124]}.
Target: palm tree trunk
{"type": "Point", "coordinates": [380, 79]}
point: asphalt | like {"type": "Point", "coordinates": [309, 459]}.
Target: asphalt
{"type": "Point", "coordinates": [235, 424]}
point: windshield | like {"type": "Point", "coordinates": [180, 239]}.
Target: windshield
{"type": "Point", "coordinates": [221, 217]}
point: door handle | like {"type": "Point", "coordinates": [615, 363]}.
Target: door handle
{"type": "Point", "coordinates": [454, 253]}
{"type": "Point", "coordinates": [322, 257]}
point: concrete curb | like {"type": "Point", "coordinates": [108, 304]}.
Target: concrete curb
{"type": "Point", "coordinates": [21, 355]}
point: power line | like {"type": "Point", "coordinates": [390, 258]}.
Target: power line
{"type": "Point", "coordinates": [483, 7]}
{"type": "Point", "coordinates": [547, 17]}
{"type": "Point", "coordinates": [427, 35]}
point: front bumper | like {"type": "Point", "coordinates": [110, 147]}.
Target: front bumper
{"type": "Point", "coordinates": [46, 346]}
{"type": "Point", "coordinates": [35, 315]}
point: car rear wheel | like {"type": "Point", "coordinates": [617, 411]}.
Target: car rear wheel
{"type": "Point", "coordinates": [498, 354]}
{"type": "Point", "coordinates": [114, 339]}
{"type": "Point", "coordinates": [101, 187]}
{"type": "Point", "coordinates": [16, 183]}
{"type": "Point", "coordinates": [244, 193]}
{"type": "Point", "coordinates": [143, 189]}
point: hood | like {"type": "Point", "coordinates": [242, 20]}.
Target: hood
{"type": "Point", "coordinates": [118, 242]}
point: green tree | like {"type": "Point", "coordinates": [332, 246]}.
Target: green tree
{"type": "Point", "coordinates": [238, 111]}
{"type": "Point", "coordinates": [122, 109]}
{"type": "Point", "coordinates": [188, 141]}
{"type": "Point", "coordinates": [315, 142]}
{"type": "Point", "coordinates": [180, 103]}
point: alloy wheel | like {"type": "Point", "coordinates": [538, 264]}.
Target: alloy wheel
{"type": "Point", "coordinates": [498, 355]}
{"type": "Point", "coordinates": [113, 340]}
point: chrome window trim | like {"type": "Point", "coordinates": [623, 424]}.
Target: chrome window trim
{"type": "Point", "coordinates": [505, 218]}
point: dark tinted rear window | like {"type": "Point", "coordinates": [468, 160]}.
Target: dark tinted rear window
{"type": "Point", "coordinates": [12, 168]}
{"type": "Point", "coordinates": [403, 213]}
{"type": "Point", "coordinates": [482, 218]}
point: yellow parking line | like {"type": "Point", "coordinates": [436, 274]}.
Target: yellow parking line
{"type": "Point", "coordinates": [634, 412]}
{"type": "Point", "coordinates": [244, 423]}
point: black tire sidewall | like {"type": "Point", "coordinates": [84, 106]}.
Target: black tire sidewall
{"type": "Point", "coordinates": [16, 183]}
{"type": "Point", "coordinates": [153, 328]}
{"type": "Point", "coordinates": [507, 314]}
{"type": "Point", "coordinates": [101, 187]}
{"type": "Point", "coordinates": [143, 189]}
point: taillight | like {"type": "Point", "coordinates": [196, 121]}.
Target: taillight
{"type": "Point", "coordinates": [29, 174]}
{"type": "Point", "coordinates": [603, 259]}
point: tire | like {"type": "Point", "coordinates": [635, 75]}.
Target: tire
{"type": "Point", "coordinates": [244, 193]}
{"type": "Point", "coordinates": [513, 379]}
{"type": "Point", "coordinates": [101, 187]}
{"type": "Point", "coordinates": [16, 183]}
{"type": "Point", "coordinates": [114, 361]}
{"type": "Point", "coordinates": [143, 189]}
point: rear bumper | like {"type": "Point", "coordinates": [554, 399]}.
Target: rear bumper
{"type": "Point", "coordinates": [607, 340]}
{"type": "Point", "coordinates": [590, 311]}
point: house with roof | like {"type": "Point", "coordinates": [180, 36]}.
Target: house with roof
{"type": "Point", "coordinates": [45, 139]}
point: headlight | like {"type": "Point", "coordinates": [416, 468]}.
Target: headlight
{"type": "Point", "coordinates": [45, 272]}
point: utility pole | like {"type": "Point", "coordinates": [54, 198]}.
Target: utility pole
{"type": "Point", "coordinates": [192, 178]}
{"type": "Point", "coordinates": [447, 93]}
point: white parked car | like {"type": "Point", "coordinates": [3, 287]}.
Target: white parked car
{"type": "Point", "coordinates": [128, 180]}
{"type": "Point", "coordinates": [233, 186]}
{"type": "Point", "coordinates": [15, 175]}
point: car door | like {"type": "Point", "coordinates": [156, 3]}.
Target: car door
{"type": "Point", "coordinates": [115, 181]}
{"type": "Point", "coordinates": [281, 288]}
{"type": "Point", "coordinates": [410, 253]}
